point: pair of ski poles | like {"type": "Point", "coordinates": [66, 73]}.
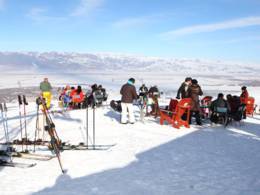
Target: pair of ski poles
{"type": "Point", "coordinates": [22, 101]}
{"type": "Point", "coordinates": [93, 146]}
{"type": "Point", "coordinates": [4, 118]}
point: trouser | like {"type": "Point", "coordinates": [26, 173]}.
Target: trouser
{"type": "Point", "coordinates": [127, 113]}
{"type": "Point", "coordinates": [196, 114]}
{"type": "Point", "coordinates": [244, 113]}
{"type": "Point", "coordinates": [47, 96]}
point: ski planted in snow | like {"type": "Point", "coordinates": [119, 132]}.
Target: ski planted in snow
{"type": "Point", "coordinates": [55, 142]}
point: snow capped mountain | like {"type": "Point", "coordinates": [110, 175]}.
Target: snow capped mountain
{"type": "Point", "coordinates": [109, 62]}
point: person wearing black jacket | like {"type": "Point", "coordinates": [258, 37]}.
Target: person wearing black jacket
{"type": "Point", "coordinates": [183, 89]}
{"type": "Point", "coordinates": [128, 92]}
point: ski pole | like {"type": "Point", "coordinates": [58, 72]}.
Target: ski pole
{"type": "Point", "coordinates": [94, 128]}
{"type": "Point", "coordinates": [25, 103]}
{"type": "Point", "coordinates": [36, 128]}
{"type": "Point", "coordinates": [9, 148]}
{"type": "Point", "coordinates": [87, 126]}
{"type": "Point", "coordinates": [3, 109]}
{"type": "Point", "coordinates": [3, 119]}
{"type": "Point", "coordinates": [20, 117]}
{"type": "Point", "coordinates": [6, 123]}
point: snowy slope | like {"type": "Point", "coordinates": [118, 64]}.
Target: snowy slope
{"type": "Point", "coordinates": [147, 159]}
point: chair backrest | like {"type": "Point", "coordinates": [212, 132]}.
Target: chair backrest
{"type": "Point", "coordinates": [173, 105]}
{"type": "Point", "coordinates": [183, 107]}
{"type": "Point", "coordinates": [250, 107]}
{"type": "Point", "coordinates": [221, 109]}
{"type": "Point", "coordinates": [206, 99]}
{"type": "Point", "coordinates": [185, 102]}
{"type": "Point", "coordinates": [250, 101]}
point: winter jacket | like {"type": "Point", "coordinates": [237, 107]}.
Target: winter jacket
{"type": "Point", "coordinates": [128, 93]}
{"type": "Point", "coordinates": [154, 92]}
{"type": "Point", "coordinates": [194, 91]}
{"type": "Point", "coordinates": [183, 91]}
{"type": "Point", "coordinates": [234, 104]}
{"type": "Point", "coordinates": [77, 98]}
{"type": "Point", "coordinates": [244, 96]}
{"type": "Point", "coordinates": [219, 103]}
{"type": "Point", "coordinates": [143, 90]}
{"type": "Point", "coordinates": [45, 86]}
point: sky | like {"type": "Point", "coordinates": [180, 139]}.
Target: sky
{"type": "Point", "coordinates": [201, 29]}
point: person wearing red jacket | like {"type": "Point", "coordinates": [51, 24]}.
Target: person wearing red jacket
{"type": "Point", "coordinates": [77, 97]}
{"type": "Point", "coordinates": [244, 95]}
{"type": "Point", "coordinates": [243, 99]}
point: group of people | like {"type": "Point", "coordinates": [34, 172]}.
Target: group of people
{"type": "Point", "coordinates": [147, 98]}
{"type": "Point", "coordinates": [74, 98]}
{"type": "Point", "coordinates": [233, 106]}
{"type": "Point", "coordinates": [190, 88]}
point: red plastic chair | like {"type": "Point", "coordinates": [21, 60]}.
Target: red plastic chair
{"type": "Point", "coordinates": [179, 117]}
{"type": "Point", "coordinates": [173, 105]}
{"type": "Point", "coordinates": [205, 103]}
{"type": "Point", "coordinates": [250, 106]}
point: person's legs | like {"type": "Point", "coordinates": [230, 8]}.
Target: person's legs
{"type": "Point", "coordinates": [131, 113]}
{"type": "Point", "coordinates": [47, 97]}
{"type": "Point", "coordinates": [191, 114]}
{"type": "Point", "coordinates": [124, 113]}
{"type": "Point", "coordinates": [197, 117]}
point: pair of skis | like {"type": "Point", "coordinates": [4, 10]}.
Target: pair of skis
{"type": "Point", "coordinates": [31, 156]}
{"type": "Point", "coordinates": [82, 146]}
{"type": "Point", "coordinates": [15, 164]}
{"type": "Point", "coordinates": [55, 142]}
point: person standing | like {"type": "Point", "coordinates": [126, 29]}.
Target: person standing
{"type": "Point", "coordinates": [183, 89]}
{"type": "Point", "coordinates": [194, 92]}
{"type": "Point", "coordinates": [128, 92]}
{"type": "Point", "coordinates": [46, 88]}
{"type": "Point", "coordinates": [243, 99]}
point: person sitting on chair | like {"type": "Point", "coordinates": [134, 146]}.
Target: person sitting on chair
{"type": "Point", "coordinates": [154, 95]}
{"type": "Point", "coordinates": [220, 109]}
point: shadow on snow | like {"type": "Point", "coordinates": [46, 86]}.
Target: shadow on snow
{"type": "Point", "coordinates": [208, 161]}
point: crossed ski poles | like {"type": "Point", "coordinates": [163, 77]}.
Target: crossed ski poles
{"type": "Point", "coordinates": [50, 128]}
{"type": "Point", "coordinates": [22, 101]}
{"type": "Point", "coordinates": [4, 118]}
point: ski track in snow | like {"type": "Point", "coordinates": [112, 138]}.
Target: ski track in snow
{"type": "Point", "coordinates": [147, 158]}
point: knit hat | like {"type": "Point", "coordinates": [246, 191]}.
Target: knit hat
{"type": "Point", "coordinates": [132, 80]}
{"type": "Point", "coordinates": [194, 81]}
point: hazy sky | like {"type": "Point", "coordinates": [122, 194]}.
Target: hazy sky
{"type": "Point", "coordinates": [212, 29]}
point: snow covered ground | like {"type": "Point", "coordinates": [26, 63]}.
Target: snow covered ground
{"type": "Point", "coordinates": [147, 159]}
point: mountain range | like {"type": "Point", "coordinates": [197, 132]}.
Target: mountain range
{"type": "Point", "coordinates": [54, 62]}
